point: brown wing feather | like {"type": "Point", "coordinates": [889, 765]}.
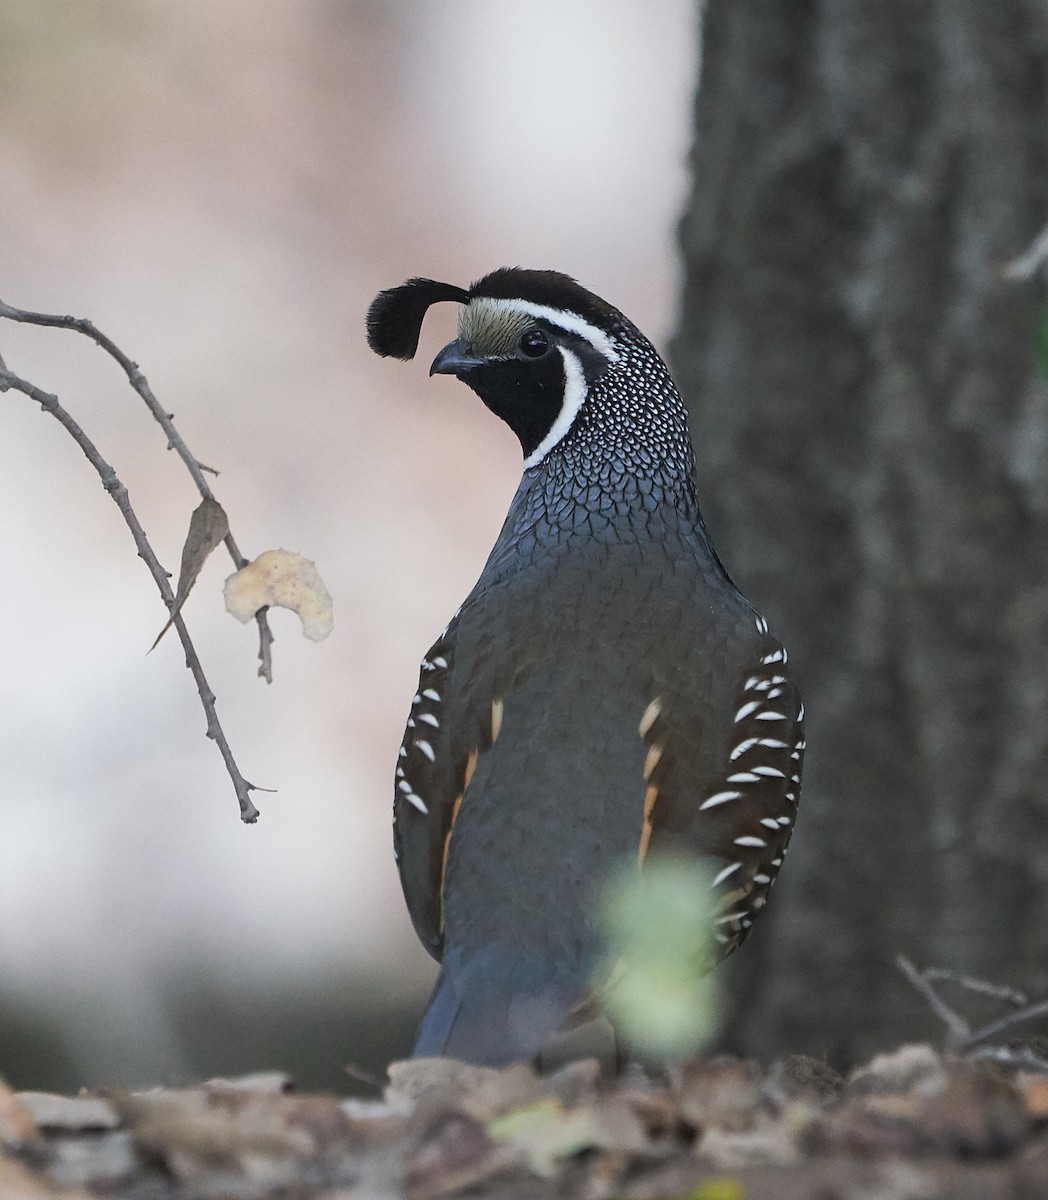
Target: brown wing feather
{"type": "Point", "coordinates": [436, 762]}
{"type": "Point", "coordinates": [741, 815]}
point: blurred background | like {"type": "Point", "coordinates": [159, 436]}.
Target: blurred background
{"type": "Point", "coordinates": [222, 187]}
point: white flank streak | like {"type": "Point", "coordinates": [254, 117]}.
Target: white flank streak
{"type": "Point", "coordinates": [418, 802]}
{"type": "Point", "coordinates": [440, 662]}
{"type": "Point", "coordinates": [574, 395]}
{"type": "Point", "coordinates": [750, 841]}
{"type": "Point", "coordinates": [747, 708]}
{"type": "Point", "coordinates": [729, 917]}
{"type": "Point", "coordinates": [719, 798]}
{"type": "Point", "coordinates": [762, 878]}
{"type": "Point", "coordinates": [777, 656]}
{"type": "Point", "coordinates": [771, 772]}
{"type": "Point", "coordinates": [427, 750]}
{"type": "Point", "coordinates": [430, 694]}
{"type": "Point", "coordinates": [743, 777]}
{"type": "Point", "coordinates": [743, 746]}
{"type": "Point", "coordinates": [769, 823]}
{"type": "Point", "coordinates": [560, 317]}
{"type": "Point", "coordinates": [430, 719]}
{"type": "Point", "coordinates": [769, 716]}
{"type": "Point", "coordinates": [720, 877]}
{"type": "Point", "coordinates": [650, 716]}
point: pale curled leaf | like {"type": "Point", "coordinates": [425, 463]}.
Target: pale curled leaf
{"type": "Point", "coordinates": [281, 579]}
{"type": "Point", "coordinates": [208, 526]}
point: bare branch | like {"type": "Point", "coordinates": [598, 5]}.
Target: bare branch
{"type": "Point", "coordinates": [1038, 1009]}
{"type": "Point", "coordinates": [1019, 1057]}
{"type": "Point", "coordinates": [982, 987]}
{"type": "Point", "coordinates": [957, 1028]}
{"type": "Point", "coordinates": [960, 1037]}
{"type": "Point", "coordinates": [175, 441]}
{"type": "Point", "coordinates": [112, 484]}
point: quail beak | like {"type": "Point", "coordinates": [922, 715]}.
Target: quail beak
{"type": "Point", "coordinates": [454, 359]}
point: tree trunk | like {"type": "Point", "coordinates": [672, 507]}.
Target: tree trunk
{"type": "Point", "coordinates": [871, 427]}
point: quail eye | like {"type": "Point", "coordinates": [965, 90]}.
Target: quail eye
{"type": "Point", "coordinates": [534, 343]}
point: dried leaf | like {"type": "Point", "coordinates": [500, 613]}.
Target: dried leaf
{"type": "Point", "coordinates": [274, 1083]}
{"type": "Point", "coordinates": [1034, 1089]}
{"type": "Point", "coordinates": [772, 1142]}
{"type": "Point", "coordinates": [483, 1092]}
{"type": "Point", "coordinates": [16, 1118]}
{"type": "Point", "coordinates": [455, 1155]}
{"type": "Point", "coordinates": [207, 527]}
{"type": "Point", "coordinates": [799, 1077]}
{"type": "Point", "coordinates": [980, 1113]}
{"type": "Point", "coordinates": [197, 1134]}
{"type": "Point", "coordinates": [281, 579]}
{"type": "Point", "coordinates": [910, 1067]}
{"type": "Point", "coordinates": [546, 1132]}
{"type": "Point", "coordinates": [720, 1093]}
{"type": "Point", "coordinates": [69, 1114]}
{"type": "Point", "coordinates": [17, 1183]}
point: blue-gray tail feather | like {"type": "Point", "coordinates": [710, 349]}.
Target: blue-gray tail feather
{"type": "Point", "coordinates": [492, 1011]}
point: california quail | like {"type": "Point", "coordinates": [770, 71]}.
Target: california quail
{"type": "Point", "coordinates": [604, 692]}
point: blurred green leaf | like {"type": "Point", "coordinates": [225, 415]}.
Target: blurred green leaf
{"type": "Point", "coordinates": [717, 1189]}
{"type": "Point", "coordinates": [657, 927]}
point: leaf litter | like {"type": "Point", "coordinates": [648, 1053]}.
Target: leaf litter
{"type": "Point", "coordinates": [915, 1124]}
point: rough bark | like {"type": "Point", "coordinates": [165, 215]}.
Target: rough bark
{"type": "Point", "coordinates": [872, 435]}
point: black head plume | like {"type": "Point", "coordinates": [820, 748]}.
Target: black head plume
{"type": "Point", "coordinates": [394, 319]}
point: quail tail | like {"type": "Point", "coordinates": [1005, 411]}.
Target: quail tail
{"type": "Point", "coordinates": [492, 1011]}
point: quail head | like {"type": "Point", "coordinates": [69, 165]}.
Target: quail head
{"type": "Point", "coordinates": [604, 692]}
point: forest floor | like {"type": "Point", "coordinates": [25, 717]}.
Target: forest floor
{"type": "Point", "coordinates": [916, 1124]}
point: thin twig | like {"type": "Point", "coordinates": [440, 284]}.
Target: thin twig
{"type": "Point", "coordinates": [1021, 1057]}
{"type": "Point", "coordinates": [981, 987]}
{"type": "Point", "coordinates": [175, 441]}
{"type": "Point", "coordinates": [112, 484]}
{"type": "Point", "coordinates": [1003, 1024]}
{"type": "Point", "coordinates": [961, 1039]}
{"type": "Point", "coordinates": [957, 1028]}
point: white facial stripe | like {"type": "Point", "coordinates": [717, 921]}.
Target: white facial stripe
{"type": "Point", "coordinates": [574, 395]}
{"type": "Point", "coordinates": [570, 321]}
